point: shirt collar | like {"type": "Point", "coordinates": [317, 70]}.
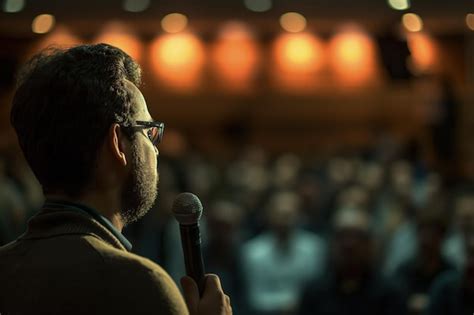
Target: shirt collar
{"type": "Point", "coordinates": [55, 203]}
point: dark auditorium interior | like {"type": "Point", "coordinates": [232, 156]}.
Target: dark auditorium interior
{"type": "Point", "coordinates": [330, 142]}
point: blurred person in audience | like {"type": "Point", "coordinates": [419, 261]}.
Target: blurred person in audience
{"type": "Point", "coordinates": [13, 208]}
{"type": "Point", "coordinates": [418, 273]}
{"type": "Point", "coordinates": [85, 130]}
{"type": "Point", "coordinates": [351, 285]}
{"type": "Point", "coordinates": [285, 172]}
{"type": "Point", "coordinates": [453, 292]}
{"type": "Point", "coordinates": [278, 262]}
{"type": "Point", "coordinates": [463, 226]}
{"type": "Point", "coordinates": [222, 249]}
{"type": "Point", "coordinates": [27, 184]}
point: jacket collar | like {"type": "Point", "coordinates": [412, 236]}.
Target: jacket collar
{"type": "Point", "coordinates": [58, 217]}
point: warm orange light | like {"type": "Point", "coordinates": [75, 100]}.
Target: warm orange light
{"type": "Point", "coordinates": [470, 21]}
{"type": "Point", "coordinates": [61, 37]}
{"type": "Point", "coordinates": [299, 52]}
{"type": "Point", "coordinates": [299, 60]}
{"type": "Point", "coordinates": [353, 57]}
{"type": "Point", "coordinates": [235, 57]}
{"type": "Point", "coordinates": [412, 22]}
{"type": "Point", "coordinates": [118, 35]}
{"type": "Point", "coordinates": [424, 52]}
{"type": "Point", "coordinates": [174, 23]}
{"type": "Point", "coordinates": [43, 23]}
{"type": "Point", "coordinates": [293, 22]}
{"type": "Point", "coordinates": [178, 59]}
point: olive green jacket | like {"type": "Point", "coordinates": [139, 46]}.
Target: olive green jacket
{"type": "Point", "coordinates": [69, 263]}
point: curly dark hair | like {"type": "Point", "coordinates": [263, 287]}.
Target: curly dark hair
{"type": "Point", "coordinates": [64, 104]}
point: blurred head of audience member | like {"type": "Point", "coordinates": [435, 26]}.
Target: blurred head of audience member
{"type": "Point", "coordinates": [283, 215]}
{"type": "Point", "coordinates": [464, 215]}
{"type": "Point", "coordinates": [351, 244]}
{"type": "Point", "coordinates": [351, 284]}
{"type": "Point", "coordinates": [431, 224]}
{"type": "Point", "coordinates": [417, 274]}
{"type": "Point", "coordinates": [223, 226]}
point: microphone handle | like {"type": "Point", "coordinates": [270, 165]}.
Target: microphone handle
{"type": "Point", "coordinates": [191, 242]}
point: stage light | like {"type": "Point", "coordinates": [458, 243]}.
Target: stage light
{"type": "Point", "coordinates": [235, 56]}
{"type": "Point", "coordinates": [424, 51]}
{"type": "Point", "coordinates": [412, 22]}
{"type": "Point", "coordinates": [299, 61]}
{"type": "Point", "coordinates": [258, 5]}
{"type": "Point", "coordinates": [353, 56]}
{"type": "Point", "coordinates": [13, 6]}
{"type": "Point", "coordinates": [60, 37]}
{"type": "Point", "coordinates": [470, 21]}
{"type": "Point", "coordinates": [299, 52]}
{"type": "Point", "coordinates": [399, 4]}
{"type": "Point", "coordinates": [174, 23]}
{"type": "Point", "coordinates": [136, 5]}
{"type": "Point", "coordinates": [117, 34]}
{"type": "Point", "coordinates": [178, 59]}
{"type": "Point", "coordinates": [43, 23]}
{"type": "Point", "coordinates": [293, 22]}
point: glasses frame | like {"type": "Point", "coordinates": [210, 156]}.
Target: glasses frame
{"type": "Point", "coordinates": [141, 124]}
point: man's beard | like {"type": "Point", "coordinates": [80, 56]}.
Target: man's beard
{"type": "Point", "coordinates": [140, 190]}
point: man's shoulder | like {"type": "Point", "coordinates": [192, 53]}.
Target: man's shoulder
{"type": "Point", "coordinates": [138, 274]}
{"type": "Point", "coordinates": [127, 261]}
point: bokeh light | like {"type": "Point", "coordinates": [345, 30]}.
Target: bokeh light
{"type": "Point", "coordinates": [293, 22]}
{"type": "Point", "coordinates": [258, 5]}
{"type": "Point", "coordinates": [298, 59]}
{"type": "Point", "coordinates": [136, 5]}
{"type": "Point", "coordinates": [353, 57]}
{"type": "Point", "coordinates": [119, 35]}
{"type": "Point", "coordinates": [235, 56]}
{"type": "Point", "coordinates": [470, 21]}
{"type": "Point", "coordinates": [13, 6]}
{"type": "Point", "coordinates": [61, 37]}
{"type": "Point", "coordinates": [178, 59]}
{"type": "Point", "coordinates": [399, 4]}
{"type": "Point", "coordinates": [412, 22]}
{"type": "Point", "coordinates": [424, 52]}
{"type": "Point", "coordinates": [174, 23]}
{"type": "Point", "coordinates": [43, 23]}
{"type": "Point", "coordinates": [299, 52]}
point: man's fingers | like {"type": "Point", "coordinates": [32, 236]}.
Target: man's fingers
{"type": "Point", "coordinates": [228, 306]}
{"type": "Point", "coordinates": [213, 283]}
{"type": "Point", "coordinates": [191, 294]}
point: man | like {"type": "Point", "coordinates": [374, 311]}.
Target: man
{"type": "Point", "coordinates": [351, 285]}
{"type": "Point", "coordinates": [85, 130]}
{"type": "Point", "coordinates": [278, 262]}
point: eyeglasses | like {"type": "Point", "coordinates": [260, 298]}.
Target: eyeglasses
{"type": "Point", "coordinates": [155, 130]}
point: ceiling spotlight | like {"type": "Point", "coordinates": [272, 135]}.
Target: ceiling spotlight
{"type": "Point", "coordinates": [258, 5]}
{"type": "Point", "coordinates": [43, 23]}
{"type": "Point", "coordinates": [136, 5]}
{"type": "Point", "coordinates": [470, 21]}
{"type": "Point", "coordinates": [399, 4]}
{"type": "Point", "coordinates": [293, 22]}
{"type": "Point", "coordinates": [13, 6]}
{"type": "Point", "coordinates": [174, 22]}
{"type": "Point", "coordinates": [412, 22]}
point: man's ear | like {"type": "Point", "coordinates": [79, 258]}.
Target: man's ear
{"type": "Point", "coordinates": [116, 142]}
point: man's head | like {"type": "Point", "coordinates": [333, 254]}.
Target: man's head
{"type": "Point", "coordinates": [351, 238]}
{"type": "Point", "coordinates": [72, 113]}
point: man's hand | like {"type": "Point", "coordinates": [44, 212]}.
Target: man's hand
{"type": "Point", "coordinates": [213, 300]}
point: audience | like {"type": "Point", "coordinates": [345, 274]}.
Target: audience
{"type": "Point", "coordinates": [288, 234]}
{"type": "Point", "coordinates": [350, 284]}
{"type": "Point", "coordinates": [279, 261]}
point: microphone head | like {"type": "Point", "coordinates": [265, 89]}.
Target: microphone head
{"type": "Point", "coordinates": [187, 208]}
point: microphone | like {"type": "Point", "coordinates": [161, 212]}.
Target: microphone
{"type": "Point", "coordinates": [187, 210]}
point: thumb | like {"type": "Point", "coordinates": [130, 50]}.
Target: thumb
{"type": "Point", "coordinates": [191, 294]}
